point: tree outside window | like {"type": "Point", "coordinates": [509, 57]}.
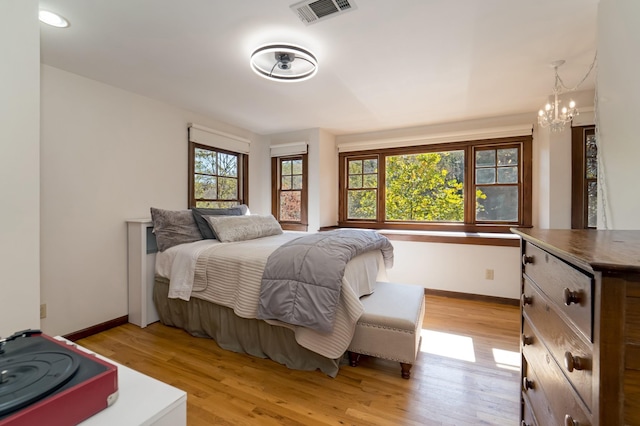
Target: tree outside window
{"type": "Point", "coordinates": [217, 178]}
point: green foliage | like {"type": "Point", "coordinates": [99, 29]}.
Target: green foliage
{"type": "Point", "coordinates": [361, 204]}
{"type": "Point", "coordinates": [216, 176]}
{"type": "Point", "coordinates": [425, 187]}
{"type": "Point", "coordinates": [362, 198]}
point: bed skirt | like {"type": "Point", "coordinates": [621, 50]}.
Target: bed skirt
{"type": "Point", "coordinates": [231, 332]}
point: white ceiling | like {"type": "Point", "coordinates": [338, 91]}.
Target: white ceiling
{"type": "Point", "coordinates": [385, 65]}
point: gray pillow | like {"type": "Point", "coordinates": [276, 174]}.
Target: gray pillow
{"type": "Point", "coordinates": [173, 227]}
{"type": "Point", "coordinates": [241, 228]}
{"type": "Point", "coordinates": [203, 225]}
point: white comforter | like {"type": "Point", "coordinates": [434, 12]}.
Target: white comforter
{"type": "Point", "coordinates": [230, 274]}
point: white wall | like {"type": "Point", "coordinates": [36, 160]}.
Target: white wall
{"type": "Point", "coordinates": [19, 166]}
{"type": "Point", "coordinates": [108, 155]}
{"type": "Point", "coordinates": [259, 167]}
{"type": "Point", "coordinates": [617, 112]}
{"type": "Point", "coordinates": [457, 267]}
{"type": "Point", "coordinates": [328, 179]}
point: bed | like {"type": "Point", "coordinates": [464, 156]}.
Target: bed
{"type": "Point", "coordinates": [211, 287]}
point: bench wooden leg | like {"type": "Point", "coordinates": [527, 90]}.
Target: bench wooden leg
{"type": "Point", "coordinates": [353, 359]}
{"type": "Point", "coordinates": [406, 370]}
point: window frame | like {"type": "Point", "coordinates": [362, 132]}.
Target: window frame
{"type": "Point", "coordinates": [276, 179]}
{"type": "Point", "coordinates": [243, 175]}
{"type": "Point", "coordinates": [579, 181]}
{"type": "Point", "coordinates": [470, 224]}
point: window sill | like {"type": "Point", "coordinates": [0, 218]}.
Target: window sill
{"type": "Point", "coordinates": [505, 239]}
{"type": "Point", "coordinates": [477, 238]}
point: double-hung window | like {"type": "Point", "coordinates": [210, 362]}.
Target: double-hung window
{"type": "Point", "coordinates": [217, 178]}
{"type": "Point", "coordinates": [463, 186]}
{"type": "Point", "coordinates": [289, 191]}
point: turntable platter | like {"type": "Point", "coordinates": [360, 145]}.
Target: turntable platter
{"type": "Point", "coordinates": [29, 377]}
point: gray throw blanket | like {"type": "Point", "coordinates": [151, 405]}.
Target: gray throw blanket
{"type": "Point", "coordinates": [302, 279]}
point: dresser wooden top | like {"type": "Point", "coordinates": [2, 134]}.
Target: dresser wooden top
{"type": "Point", "coordinates": [591, 249]}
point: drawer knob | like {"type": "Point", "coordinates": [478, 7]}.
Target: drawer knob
{"type": "Point", "coordinates": [526, 300]}
{"type": "Point", "coordinates": [527, 340]}
{"type": "Point", "coordinates": [526, 259]}
{"type": "Point", "coordinates": [568, 421]}
{"type": "Point", "coordinates": [571, 297]}
{"type": "Point", "coordinates": [574, 362]}
{"type": "Point", "coordinates": [527, 384]}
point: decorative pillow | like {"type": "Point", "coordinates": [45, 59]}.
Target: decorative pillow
{"type": "Point", "coordinates": [241, 228]}
{"type": "Point", "coordinates": [203, 225]}
{"type": "Point", "coordinates": [173, 227]}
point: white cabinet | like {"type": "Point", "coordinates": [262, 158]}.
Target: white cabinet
{"type": "Point", "coordinates": [142, 250]}
{"type": "Point", "coordinates": [142, 400]}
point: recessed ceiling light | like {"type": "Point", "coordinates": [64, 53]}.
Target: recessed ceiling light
{"type": "Point", "coordinates": [52, 19]}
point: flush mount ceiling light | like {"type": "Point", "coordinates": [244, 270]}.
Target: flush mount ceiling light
{"type": "Point", "coordinates": [284, 62]}
{"type": "Point", "coordinates": [52, 19]}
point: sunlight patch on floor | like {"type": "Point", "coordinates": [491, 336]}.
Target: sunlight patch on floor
{"type": "Point", "coordinates": [507, 359]}
{"type": "Point", "coordinates": [447, 345]}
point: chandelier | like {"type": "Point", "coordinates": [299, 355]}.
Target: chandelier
{"type": "Point", "coordinates": [552, 115]}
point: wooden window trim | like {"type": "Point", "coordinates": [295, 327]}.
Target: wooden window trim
{"type": "Point", "coordinates": [579, 194]}
{"type": "Point", "coordinates": [520, 185]}
{"type": "Point", "coordinates": [469, 225]}
{"type": "Point", "coordinates": [243, 174]}
{"type": "Point", "coordinates": [303, 224]}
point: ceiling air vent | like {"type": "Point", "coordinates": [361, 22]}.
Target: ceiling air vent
{"type": "Point", "coordinates": [312, 11]}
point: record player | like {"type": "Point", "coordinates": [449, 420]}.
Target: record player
{"type": "Point", "coordinates": [44, 381]}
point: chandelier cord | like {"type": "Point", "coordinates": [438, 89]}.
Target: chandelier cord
{"type": "Point", "coordinates": [567, 89]}
{"type": "Point", "coordinates": [602, 183]}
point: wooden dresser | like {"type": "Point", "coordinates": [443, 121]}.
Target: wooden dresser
{"type": "Point", "coordinates": [580, 344]}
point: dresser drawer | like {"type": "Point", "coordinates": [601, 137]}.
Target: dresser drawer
{"type": "Point", "coordinates": [572, 355]}
{"type": "Point", "coordinates": [528, 419]}
{"type": "Point", "coordinates": [565, 285]}
{"type": "Point", "coordinates": [549, 394]}
{"type": "Point", "coordinates": [534, 398]}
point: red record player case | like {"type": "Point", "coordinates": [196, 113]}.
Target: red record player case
{"type": "Point", "coordinates": [72, 404]}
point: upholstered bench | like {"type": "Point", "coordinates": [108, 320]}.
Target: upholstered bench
{"type": "Point", "coordinates": [390, 326]}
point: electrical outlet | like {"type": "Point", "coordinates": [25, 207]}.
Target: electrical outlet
{"type": "Point", "coordinates": [43, 310]}
{"type": "Point", "coordinates": [488, 274]}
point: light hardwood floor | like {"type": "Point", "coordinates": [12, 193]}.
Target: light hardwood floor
{"type": "Point", "coordinates": [466, 374]}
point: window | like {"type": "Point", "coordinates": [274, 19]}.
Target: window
{"type": "Point", "coordinates": [362, 191]}
{"type": "Point", "coordinates": [463, 186]}
{"type": "Point", "coordinates": [289, 191]}
{"type": "Point", "coordinates": [497, 184]}
{"type": "Point", "coordinates": [217, 178]}
{"type": "Point", "coordinates": [584, 178]}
